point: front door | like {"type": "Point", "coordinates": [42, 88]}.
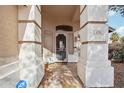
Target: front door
{"type": "Point", "coordinates": [61, 47]}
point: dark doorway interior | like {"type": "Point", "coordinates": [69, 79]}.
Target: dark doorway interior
{"type": "Point", "coordinates": [61, 47]}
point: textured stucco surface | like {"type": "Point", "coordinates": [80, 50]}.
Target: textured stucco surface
{"type": "Point", "coordinates": [93, 66]}
{"type": "Point", "coordinates": [29, 12]}
{"type": "Point", "coordinates": [89, 14]}
{"type": "Point", "coordinates": [8, 31]}
{"type": "Point", "coordinates": [95, 32]}
{"type": "Point", "coordinates": [91, 51]}
{"type": "Point", "coordinates": [50, 23]}
{"type": "Point", "coordinates": [29, 32]}
{"type": "Point", "coordinates": [30, 54]}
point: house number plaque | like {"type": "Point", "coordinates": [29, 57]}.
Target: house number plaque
{"type": "Point", "coordinates": [98, 32]}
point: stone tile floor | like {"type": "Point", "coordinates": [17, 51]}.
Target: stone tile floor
{"type": "Point", "coordinates": [62, 75]}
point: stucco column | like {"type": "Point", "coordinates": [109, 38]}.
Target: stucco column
{"type": "Point", "coordinates": [94, 68]}
{"type": "Point", "coordinates": [30, 44]}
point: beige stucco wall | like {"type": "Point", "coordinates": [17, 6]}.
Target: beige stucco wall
{"type": "Point", "coordinates": [8, 31]}
{"type": "Point", "coordinates": [49, 30]}
{"type": "Point", "coordinates": [70, 43]}
{"type": "Point", "coordinates": [9, 70]}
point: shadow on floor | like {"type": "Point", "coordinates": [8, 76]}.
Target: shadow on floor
{"type": "Point", "coordinates": [64, 75]}
{"type": "Point", "coordinates": [61, 75]}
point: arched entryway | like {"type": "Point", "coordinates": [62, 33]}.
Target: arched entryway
{"type": "Point", "coordinates": [62, 42]}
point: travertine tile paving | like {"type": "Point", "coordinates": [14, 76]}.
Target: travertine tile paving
{"type": "Point", "coordinates": [60, 76]}
{"type": "Point", "coordinates": [65, 76]}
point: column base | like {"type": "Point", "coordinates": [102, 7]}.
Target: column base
{"type": "Point", "coordinates": [97, 76]}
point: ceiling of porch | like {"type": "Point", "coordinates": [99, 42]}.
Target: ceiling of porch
{"type": "Point", "coordinates": [67, 11]}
